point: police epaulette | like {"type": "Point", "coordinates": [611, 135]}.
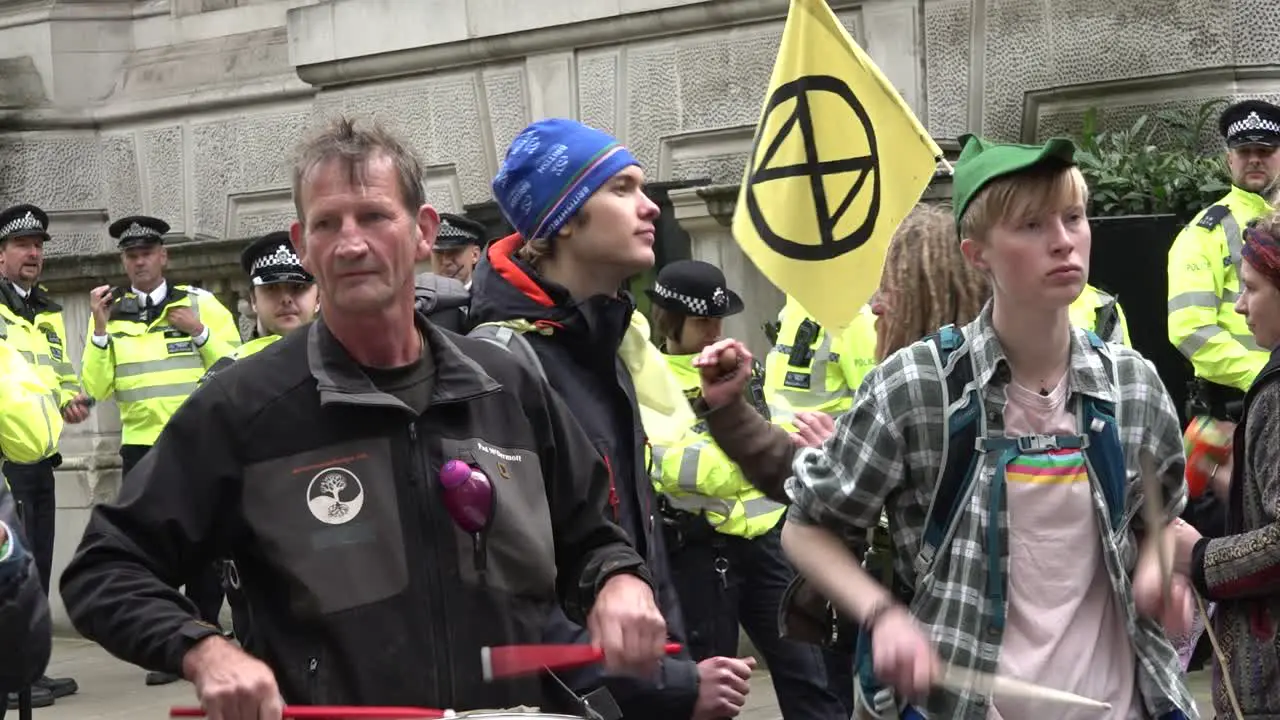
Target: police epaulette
{"type": "Point", "coordinates": [1213, 216]}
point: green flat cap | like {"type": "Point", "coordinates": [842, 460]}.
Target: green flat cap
{"type": "Point", "coordinates": [982, 161]}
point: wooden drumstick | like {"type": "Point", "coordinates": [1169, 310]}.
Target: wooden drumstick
{"type": "Point", "coordinates": [961, 680]}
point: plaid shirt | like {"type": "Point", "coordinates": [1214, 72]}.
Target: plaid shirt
{"type": "Point", "coordinates": [886, 453]}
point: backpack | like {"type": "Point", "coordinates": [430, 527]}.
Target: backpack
{"type": "Point", "coordinates": [509, 335]}
{"type": "Point", "coordinates": [806, 616]}
{"type": "Point", "coordinates": [443, 300]}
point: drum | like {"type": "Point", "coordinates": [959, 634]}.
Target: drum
{"type": "Point", "coordinates": [513, 714]}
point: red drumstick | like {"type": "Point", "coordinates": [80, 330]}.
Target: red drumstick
{"type": "Point", "coordinates": [510, 660]}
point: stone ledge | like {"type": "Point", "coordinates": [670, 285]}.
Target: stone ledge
{"type": "Point", "coordinates": [189, 260]}
{"type": "Point", "coordinates": [455, 53]}
{"type": "Point", "coordinates": [1192, 86]}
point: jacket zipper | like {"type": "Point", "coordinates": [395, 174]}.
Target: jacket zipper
{"type": "Point", "coordinates": [650, 492]}
{"type": "Point", "coordinates": [439, 650]}
{"type": "Point", "coordinates": [313, 680]}
{"type": "Point", "coordinates": [614, 501]}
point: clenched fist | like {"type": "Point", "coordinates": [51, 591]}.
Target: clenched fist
{"type": "Point", "coordinates": [626, 624]}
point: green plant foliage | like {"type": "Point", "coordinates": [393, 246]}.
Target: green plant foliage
{"type": "Point", "coordinates": [1156, 166]}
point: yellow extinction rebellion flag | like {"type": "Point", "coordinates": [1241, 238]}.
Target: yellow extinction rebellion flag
{"type": "Point", "coordinates": [838, 162]}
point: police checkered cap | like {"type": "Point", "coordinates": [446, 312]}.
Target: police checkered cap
{"type": "Point", "coordinates": [283, 256]}
{"type": "Point", "coordinates": [694, 306]}
{"type": "Point", "coordinates": [24, 222]}
{"type": "Point", "coordinates": [1253, 123]}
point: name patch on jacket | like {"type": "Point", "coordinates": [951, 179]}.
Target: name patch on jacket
{"type": "Point", "coordinates": [180, 347]}
{"type": "Point", "coordinates": [796, 380]}
{"type": "Point", "coordinates": [172, 332]}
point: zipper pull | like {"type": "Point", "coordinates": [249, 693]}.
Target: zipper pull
{"type": "Point", "coordinates": [614, 502]}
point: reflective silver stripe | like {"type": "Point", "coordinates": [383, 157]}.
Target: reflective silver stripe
{"type": "Point", "coordinates": [177, 362]}
{"type": "Point", "coordinates": [1248, 341]}
{"type": "Point", "coordinates": [701, 503]}
{"type": "Point", "coordinates": [1195, 299]}
{"type": "Point", "coordinates": [786, 350]}
{"type": "Point", "coordinates": [48, 428]}
{"type": "Point", "coordinates": [28, 356]}
{"type": "Point", "coordinates": [1235, 243]}
{"type": "Point", "coordinates": [688, 477]}
{"type": "Point", "coordinates": [778, 414]}
{"type": "Point", "coordinates": [655, 463]}
{"type": "Point", "coordinates": [1196, 340]}
{"type": "Point", "coordinates": [758, 507]}
{"type": "Point", "coordinates": [156, 391]}
{"type": "Point", "coordinates": [1229, 296]}
{"type": "Point", "coordinates": [64, 368]}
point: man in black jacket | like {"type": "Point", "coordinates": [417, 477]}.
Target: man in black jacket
{"type": "Point", "coordinates": [326, 468]}
{"type": "Point", "coordinates": [574, 195]}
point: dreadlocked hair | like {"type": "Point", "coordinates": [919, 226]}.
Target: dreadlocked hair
{"type": "Point", "coordinates": [926, 280]}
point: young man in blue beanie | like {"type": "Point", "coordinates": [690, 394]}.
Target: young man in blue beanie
{"type": "Point", "coordinates": [551, 292]}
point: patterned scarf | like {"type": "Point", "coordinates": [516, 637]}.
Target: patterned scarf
{"type": "Point", "coordinates": [1262, 250]}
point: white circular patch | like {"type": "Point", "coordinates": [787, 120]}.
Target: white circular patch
{"type": "Point", "coordinates": [335, 496]}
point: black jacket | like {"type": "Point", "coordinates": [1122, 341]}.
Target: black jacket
{"type": "Point", "coordinates": [25, 632]}
{"type": "Point", "coordinates": [380, 602]}
{"type": "Point", "coordinates": [579, 355]}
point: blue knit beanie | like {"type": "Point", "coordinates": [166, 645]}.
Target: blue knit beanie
{"type": "Point", "coordinates": [550, 171]}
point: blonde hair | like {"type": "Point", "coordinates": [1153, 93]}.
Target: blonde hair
{"type": "Point", "coordinates": [1014, 199]}
{"type": "Point", "coordinates": [927, 280]}
{"type": "Point", "coordinates": [535, 252]}
{"type": "Point", "coordinates": [538, 251]}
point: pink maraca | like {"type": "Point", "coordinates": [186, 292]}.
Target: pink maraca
{"type": "Point", "coordinates": [468, 495]}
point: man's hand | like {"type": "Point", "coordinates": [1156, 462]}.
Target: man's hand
{"type": "Point", "coordinates": [99, 302]}
{"type": "Point", "coordinates": [231, 684]}
{"type": "Point", "coordinates": [625, 623]}
{"type": "Point", "coordinates": [903, 657]}
{"type": "Point", "coordinates": [184, 319]}
{"type": "Point", "coordinates": [77, 410]}
{"type": "Point", "coordinates": [722, 687]}
{"type": "Point", "coordinates": [725, 368]}
{"type": "Point", "coordinates": [812, 428]}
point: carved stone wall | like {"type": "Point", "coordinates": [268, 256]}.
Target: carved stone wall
{"type": "Point", "coordinates": [188, 109]}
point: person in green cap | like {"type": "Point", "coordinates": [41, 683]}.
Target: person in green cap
{"type": "Point", "coordinates": [1006, 455]}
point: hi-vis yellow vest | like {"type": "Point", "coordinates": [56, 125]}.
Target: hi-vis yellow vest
{"type": "Point", "coordinates": [696, 476]}
{"type": "Point", "coordinates": [152, 367]}
{"type": "Point", "coordinates": [1092, 308]}
{"type": "Point", "coordinates": [1204, 284]}
{"type": "Point", "coordinates": [821, 375]}
{"type": "Point", "coordinates": [30, 423]}
{"type": "Point", "coordinates": [42, 343]}
{"type": "Point", "coordinates": [675, 434]}
{"type": "Point", "coordinates": [250, 347]}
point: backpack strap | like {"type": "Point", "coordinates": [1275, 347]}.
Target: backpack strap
{"type": "Point", "coordinates": [511, 339]}
{"type": "Point", "coordinates": [966, 424]}
{"type": "Point", "coordinates": [1104, 451]}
